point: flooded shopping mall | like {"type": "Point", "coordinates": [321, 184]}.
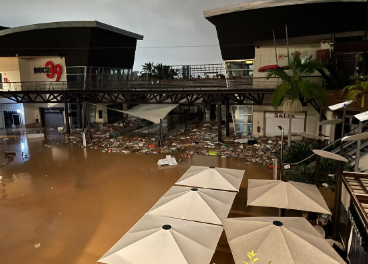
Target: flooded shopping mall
{"type": "Point", "coordinates": [61, 203]}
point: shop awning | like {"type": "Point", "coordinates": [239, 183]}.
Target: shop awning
{"type": "Point", "coordinates": [268, 68]}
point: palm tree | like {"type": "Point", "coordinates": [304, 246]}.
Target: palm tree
{"type": "Point", "coordinates": [356, 91]}
{"type": "Point", "coordinates": [295, 85]}
{"type": "Point", "coordinates": [158, 71]}
{"type": "Point", "coordinates": [148, 70]}
{"type": "Point", "coordinates": [169, 73]}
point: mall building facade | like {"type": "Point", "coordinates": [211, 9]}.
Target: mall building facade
{"type": "Point", "coordinates": [61, 55]}
{"type": "Point", "coordinates": [245, 33]}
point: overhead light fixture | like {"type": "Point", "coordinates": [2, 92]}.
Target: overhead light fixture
{"type": "Point", "coordinates": [340, 105]}
{"type": "Point", "coordinates": [362, 116]}
{"type": "Point", "coordinates": [248, 62]}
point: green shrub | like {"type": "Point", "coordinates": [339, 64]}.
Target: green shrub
{"type": "Point", "coordinates": [300, 173]}
{"type": "Point", "coordinates": [298, 152]}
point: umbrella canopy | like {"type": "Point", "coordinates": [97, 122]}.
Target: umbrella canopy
{"type": "Point", "coordinates": [201, 205]}
{"type": "Point", "coordinates": [362, 116]}
{"type": "Point", "coordinates": [281, 240]}
{"type": "Point", "coordinates": [340, 105]}
{"type": "Point", "coordinates": [151, 112]}
{"type": "Point", "coordinates": [310, 135]}
{"type": "Point", "coordinates": [355, 137]}
{"type": "Point", "coordinates": [212, 178]}
{"type": "Point", "coordinates": [329, 155]}
{"type": "Point", "coordinates": [330, 122]}
{"type": "Point", "coordinates": [163, 240]}
{"type": "Point", "coordinates": [288, 195]}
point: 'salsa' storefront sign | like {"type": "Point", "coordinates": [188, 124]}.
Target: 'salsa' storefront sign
{"type": "Point", "coordinates": [51, 70]}
{"type": "Point", "coordinates": [278, 115]}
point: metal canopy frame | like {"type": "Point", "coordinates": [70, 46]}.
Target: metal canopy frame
{"type": "Point", "coordinates": [143, 96]}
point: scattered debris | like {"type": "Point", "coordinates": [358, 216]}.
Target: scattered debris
{"type": "Point", "coordinates": [37, 245]}
{"type": "Point", "coordinates": [168, 161]}
{"type": "Point", "coordinates": [198, 139]}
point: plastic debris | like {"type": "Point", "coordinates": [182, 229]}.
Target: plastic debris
{"type": "Point", "coordinates": [198, 139]}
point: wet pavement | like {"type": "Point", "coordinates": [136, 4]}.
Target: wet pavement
{"type": "Point", "coordinates": [77, 203]}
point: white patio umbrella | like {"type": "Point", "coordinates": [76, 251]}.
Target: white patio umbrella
{"type": "Point", "coordinates": [196, 204]}
{"type": "Point", "coordinates": [310, 135]}
{"type": "Point", "coordinates": [212, 178]}
{"type": "Point", "coordinates": [281, 240]}
{"type": "Point", "coordinates": [288, 195]}
{"type": "Point", "coordinates": [330, 122]}
{"type": "Point", "coordinates": [329, 155]}
{"type": "Point", "coordinates": [355, 137]}
{"type": "Point", "coordinates": [164, 240]}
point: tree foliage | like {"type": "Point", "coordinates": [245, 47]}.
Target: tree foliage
{"type": "Point", "coordinates": [356, 91]}
{"type": "Point", "coordinates": [295, 82]}
{"type": "Point", "coordinates": [158, 71]}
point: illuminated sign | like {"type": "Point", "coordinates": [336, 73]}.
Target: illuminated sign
{"type": "Point", "coordinates": [51, 70]}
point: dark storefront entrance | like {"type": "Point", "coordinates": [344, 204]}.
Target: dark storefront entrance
{"type": "Point", "coordinates": [52, 117]}
{"type": "Point", "coordinates": [11, 119]}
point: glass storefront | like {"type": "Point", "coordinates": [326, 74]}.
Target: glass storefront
{"type": "Point", "coordinates": [243, 119]}
{"type": "Point", "coordinates": [239, 69]}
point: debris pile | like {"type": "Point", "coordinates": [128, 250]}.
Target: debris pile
{"type": "Point", "coordinates": [198, 139]}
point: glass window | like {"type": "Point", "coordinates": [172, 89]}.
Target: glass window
{"type": "Point", "coordinates": [75, 70]}
{"type": "Point", "coordinates": [75, 78]}
{"type": "Point", "coordinates": [106, 71]}
{"type": "Point", "coordinates": [94, 71]}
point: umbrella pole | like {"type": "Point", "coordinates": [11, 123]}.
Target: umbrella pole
{"type": "Point", "coordinates": [318, 159]}
{"type": "Point", "coordinates": [219, 121]}
{"type": "Point", "coordinates": [161, 139]}
{"type": "Point", "coordinates": [338, 182]}
{"type": "Point", "coordinates": [281, 154]}
{"type": "Point", "coordinates": [357, 156]}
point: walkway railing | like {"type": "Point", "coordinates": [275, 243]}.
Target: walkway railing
{"type": "Point", "coordinates": [216, 83]}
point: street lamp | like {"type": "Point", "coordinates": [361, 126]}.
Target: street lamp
{"type": "Point", "coordinates": [338, 180]}
{"type": "Point", "coordinates": [361, 117]}
{"type": "Point", "coordinates": [329, 155]}
{"type": "Point", "coordinates": [318, 159]}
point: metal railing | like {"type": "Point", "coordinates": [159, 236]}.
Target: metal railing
{"type": "Point", "coordinates": [333, 147]}
{"type": "Point", "coordinates": [212, 83]}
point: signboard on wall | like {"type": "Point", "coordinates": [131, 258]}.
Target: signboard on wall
{"type": "Point", "coordinates": [50, 70]}
{"type": "Point", "coordinates": [276, 119]}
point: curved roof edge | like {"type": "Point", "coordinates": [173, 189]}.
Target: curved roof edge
{"type": "Point", "coordinates": [67, 24]}
{"type": "Point", "coordinates": [267, 4]}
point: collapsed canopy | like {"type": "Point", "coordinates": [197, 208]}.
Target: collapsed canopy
{"type": "Point", "coordinates": [151, 112]}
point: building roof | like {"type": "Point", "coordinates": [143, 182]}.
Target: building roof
{"type": "Point", "coordinates": [70, 24]}
{"type": "Point", "coordinates": [267, 4]}
{"type": "Point", "coordinates": [241, 28]}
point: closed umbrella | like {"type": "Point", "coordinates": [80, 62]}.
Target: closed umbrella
{"type": "Point", "coordinates": [196, 204]}
{"type": "Point", "coordinates": [212, 178]}
{"type": "Point", "coordinates": [281, 240]}
{"type": "Point", "coordinates": [288, 195]}
{"type": "Point", "coordinates": [163, 240]}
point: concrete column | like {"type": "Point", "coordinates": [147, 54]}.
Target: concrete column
{"type": "Point", "coordinates": [219, 121]}
{"type": "Point", "coordinates": [66, 109]}
{"type": "Point", "coordinates": [227, 118]}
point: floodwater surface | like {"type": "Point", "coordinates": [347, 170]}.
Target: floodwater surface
{"type": "Point", "coordinates": [77, 203]}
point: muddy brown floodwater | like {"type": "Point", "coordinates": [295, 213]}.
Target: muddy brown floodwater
{"type": "Point", "coordinates": [77, 203]}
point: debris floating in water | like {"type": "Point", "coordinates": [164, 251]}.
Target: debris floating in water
{"type": "Point", "coordinates": [198, 139]}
